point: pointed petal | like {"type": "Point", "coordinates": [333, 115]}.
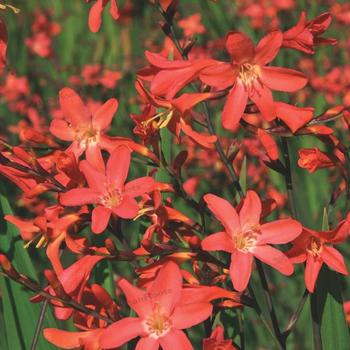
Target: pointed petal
{"type": "Point", "coordinates": [234, 107]}
{"type": "Point", "coordinates": [283, 79]}
{"type": "Point", "coordinates": [139, 186]}
{"type": "Point", "coordinates": [241, 269]}
{"type": "Point", "coordinates": [294, 117]}
{"type": "Point", "coordinates": [250, 213]}
{"type": "Point", "coordinates": [279, 231]}
{"type": "Point", "coordinates": [61, 130]}
{"type": "Point", "coordinates": [220, 75]}
{"type": "Point", "coordinates": [189, 315]}
{"type": "Point", "coordinates": [95, 16]}
{"type": "Point", "coordinates": [138, 299]}
{"type": "Point", "coordinates": [224, 212]}
{"type": "Point", "coordinates": [94, 157]}
{"type": "Point", "coordinates": [102, 118]}
{"type": "Point", "coordinates": [239, 46]}
{"type": "Point", "coordinates": [118, 166]}
{"type": "Point", "coordinates": [334, 259]}
{"type": "Point", "coordinates": [79, 196]}
{"type": "Point", "coordinates": [218, 241]}
{"type": "Point", "coordinates": [262, 97]}
{"type": "Point", "coordinates": [202, 139]}
{"type": "Point", "coordinates": [94, 177]}
{"type": "Point", "coordinates": [64, 339]}
{"type": "Point", "coordinates": [114, 11]}
{"type": "Point", "coordinates": [160, 61]}
{"type": "Point", "coordinates": [99, 219]}
{"type": "Point", "coordinates": [73, 108]}
{"type": "Point", "coordinates": [187, 101]}
{"type": "Point", "coordinates": [268, 48]}
{"type": "Point", "coordinates": [127, 209]}
{"type": "Point", "coordinates": [312, 269]}
{"type": "Point", "coordinates": [275, 258]}
{"type": "Point", "coordinates": [121, 332]}
{"type": "Point", "coordinates": [167, 287]}
{"type": "Point", "coordinates": [147, 343]}
{"type": "Point", "coordinates": [175, 339]}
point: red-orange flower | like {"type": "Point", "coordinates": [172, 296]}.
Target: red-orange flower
{"type": "Point", "coordinates": [217, 341]}
{"type": "Point", "coordinates": [107, 189]}
{"type": "Point", "coordinates": [95, 15]}
{"type": "Point", "coordinates": [316, 248]}
{"type": "Point", "coordinates": [244, 237]}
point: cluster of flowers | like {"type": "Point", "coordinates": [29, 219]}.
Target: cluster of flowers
{"type": "Point", "coordinates": [86, 172]}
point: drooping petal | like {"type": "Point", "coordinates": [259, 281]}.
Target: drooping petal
{"type": "Point", "coordinates": [139, 186]}
{"type": "Point", "coordinates": [79, 196]}
{"type": "Point", "coordinates": [95, 16]}
{"type": "Point", "coordinates": [223, 211]}
{"type": "Point", "coordinates": [218, 241]}
{"type": "Point", "coordinates": [334, 259]}
{"type": "Point", "coordinates": [175, 339]}
{"type": "Point", "coordinates": [127, 209]}
{"type": "Point", "coordinates": [241, 269]}
{"type": "Point", "coordinates": [139, 300]}
{"type": "Point", "coordinates": [261, 95]}
{"type": "Point", "coordinates": [187, 101]}
{"type": "Point", "coordinates": [239, 46]}
{"type": "Point", "coordinates": [73, 108]}
{"type": "Point", "coordinates": [189, 315]}
{"type": "Point", "coordinates": [294, 117]}
{"type": "Point", "coordinates": [118, 165]}
{"type": "Point", "coordinates": [268, 48]}
{"type": "Point", "coordinates": [94, 177]}
{"type": "Point", "coordinates": [102, 118]}
{"type": "Point", "coordinates": [61, 130]}
{"type": "Point", "coordinates": [204, 140]}
{"type": "Point", "coordinates": [250, 213]}
{"type": "Point", "coordinates": [283, 79]}
{"type": "Point", "coordinates": [166, 287]}
{"type": "Point", "coordinates": [312, 269]}
{"type": "Point", "coordinates": [279, 231]}
{"type": "Point", "coordinates": [275, 258]}
{"type": "Point", "coordinates": [121, 332]}
{"type": "Point", "coordinates": [234, 107]}
{"type": "Point", "coordinates": [99, 219]}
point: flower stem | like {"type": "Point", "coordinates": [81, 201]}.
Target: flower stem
{"type": "Point", "coordinates": [39, 324]}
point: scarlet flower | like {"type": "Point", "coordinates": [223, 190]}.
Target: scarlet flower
{"type": "Point", "coordinates": [86, 130]}
{"type": "Point", "coordinates": [316, 248]}
{"type": "Point", "coordinates": [244, 237]}
{"type": "Point", "coordinates": [217, 341]}
{"type": "Point", "coordinates": [95, 15]}
{"type": "Point", "coordinates": [313, 159]}
{"type": "Point", "coordinates": [164, 310]}
{"type": "Point", "coordinates": [248, 76]}
{"type": "Point", "coordinates": [304, 36]}
{"type": "Point", "coordinates": [107, 189]}
{"type": "Point", "coordinates": [192, 25]}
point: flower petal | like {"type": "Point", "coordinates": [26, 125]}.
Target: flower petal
{"type": "Point", "coordinates": [241, 269]}
{"type": "Point", "coordinates": [223, 211]}
{"type": "Point", "coordinates": [189, 315]}
{"type": "Point", "coordinates": [95, 16]}
{"type": "Point", "coordinates": [139, 186]}
{"type": "Point", "coordinates": [175, 339]}
{"type": "Point", "coordinates": [261, 95]}
{"type": "Point", "coordinates": [94, 177]}
{"type": "Point", "coordinates": [234, 107]}
{"type": "Point", "coordinates": [118, 165]}
{"type": "Point", "coordinates": [147, 343]}
{"type": "Point", "coordinates": [61, 130]}
{"type": "Point", "coordinates": [127, 209]}
{"type": "Point", "coordinates": [102, 118]}
{"type": "Point", "coordinates": [268, 48]}
{"type": "Point", "coordinates": [279, 231]}
{"type": "Point", "coordinates": [79, 196]}
{"type": "Point", "coordinates": [220, 75]}
{"type": "Point", "coordinates": [121, 332]}
{"type": "Point", "coordinates": [312, 269]}
{"type": "Point", "coordinates": [239, 46]}
{"type": "Point", "coordinates": [334, 259]}
{"type": "Point", "coordinates": [99, 219]}
{"type": "Point", "coordinates": [218, 241]}
{"type": "Point", "coordinates": [275, 258]}
{"type": "Point", "coordinates": [283, 79]}
{"type": "Point", "coordinates": [249, 215]}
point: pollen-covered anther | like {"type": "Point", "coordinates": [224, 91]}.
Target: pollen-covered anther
{"type": "Point", "coordinates": [157, 324]}
{"type": "Point", "coordinates": [246, 239]}
{"type": "Point", "coordinates": [88, 136]}
{"type": "Point", "coordinates": [315, 246]}
{"type": "Point", "coordinates": [248, 74]}
{"type": "Point", "coordinates": [160, 120]}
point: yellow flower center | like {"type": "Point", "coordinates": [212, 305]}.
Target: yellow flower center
{"type": "Point", "coordinates": [86, 137]}
{"type": "Point", "coordinates": [112, 197]}
{"type": "Point", "coordinates": [248, 74]}
{"type": "Point", "coordinates": [158, 323]}
{"type": "Point", "coordinates": [246, 238]}
{"type": "Point", "coordinates": [315, 246]}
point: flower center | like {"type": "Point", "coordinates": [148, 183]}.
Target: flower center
{"type": "Point", "coordinates": [315, 246]}
{"type": "Point", "coordinates": [112, 197]}
{"type": "Point", "coordinates": [157, 324]}
{"type": "Point", "coordinates": [248, 74]}
{"type": "Point", "coordinates": [246, 239]}
{"type": "Point", "coordinates": [89, 136]}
